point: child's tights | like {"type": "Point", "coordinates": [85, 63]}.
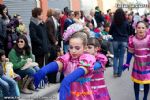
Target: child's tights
{"type": "Point", "coordinates": [136, 91]}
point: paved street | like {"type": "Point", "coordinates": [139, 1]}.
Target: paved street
{"type": "Point", "coordinates": [120, 88]}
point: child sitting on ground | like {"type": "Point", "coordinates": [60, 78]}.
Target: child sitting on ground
{"type": "Point", "coordinates": [8, 66]}
{"type": "Point", "coordinates": [8, 85]}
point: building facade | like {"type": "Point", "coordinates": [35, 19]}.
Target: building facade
{"type": "Point", "coordinates": [24, 7]}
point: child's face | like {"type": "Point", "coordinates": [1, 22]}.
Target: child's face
{"type": "Point", "coordinates": [20, 19]}
{"type": "Point", "coordinates": [91, 49]}
{"type": "Point", "coordinates": [130, 17]}
{"type": "Point", "coordinates": [3, 58]}
{"type": "Point", "coordinates": [76, 47]}
{"type": "Point", "coordinates": [107, 29]}
{"type": "Point", "coordinates": [141, 29]}
{"type": "Point", "coordinates": [90, 26]}
{"type": "Point", "coordinates": [5, 11]}
{"type": "Point", "coordinates": [40, 17]}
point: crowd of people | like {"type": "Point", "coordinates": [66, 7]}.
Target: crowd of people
{"type": "Point", "coordinates": [77, 46]}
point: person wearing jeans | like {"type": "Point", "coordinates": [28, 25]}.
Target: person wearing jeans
{"type": "Point", "coordinates": [23, 63]}
{"type": "Point", "coordinates": [120, 31]}
{"type": "Point", "coordinates": [9, 87]}
{"type": "Point", "coordinates": [119, 51]}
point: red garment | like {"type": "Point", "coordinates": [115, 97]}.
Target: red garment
{"type": "Point", "coordinates": [97, 30]}
{"type": "Point", "coordinates": [107, 18]}
{"type": "Point", "coordinates": [62, 22]}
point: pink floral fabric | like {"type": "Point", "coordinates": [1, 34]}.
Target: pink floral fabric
{"type": "Point", "coordinates": [79, 91]}
{"type": "Point", "coordinates": [71, 30]}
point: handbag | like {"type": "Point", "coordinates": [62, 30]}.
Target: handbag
{"type": "Point", "coordinates": [29, 65]}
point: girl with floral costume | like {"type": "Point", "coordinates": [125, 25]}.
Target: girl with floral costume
{"type": "Point", "coordinates": [76, 66]}
{"type": "Point", "coordinates": [139, 47]}
{"type": "Point", "coordinates": [97, 82]}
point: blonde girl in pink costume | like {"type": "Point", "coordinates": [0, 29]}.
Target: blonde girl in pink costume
{"type": "Point", "coordinates": [98, 85]}
{"type": "Point", "coordinates": [139, 47]}
{"type": "Point", "coordinates": [76, 66]}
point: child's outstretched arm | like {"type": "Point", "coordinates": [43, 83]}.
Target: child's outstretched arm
{"type": "Point", "coordinates": [129, 57]}
{"type": "Point", "coordinates": [64, 89]}
{"type": "Point", "coordinates": [49, 68]}
{"type": "Point", "coordinates": [65, 84]}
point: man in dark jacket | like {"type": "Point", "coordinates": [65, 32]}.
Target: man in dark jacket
{"type": "Point", "coordinates": [98, 16]}
{"type": "Point", "coordinates": [39, 37]}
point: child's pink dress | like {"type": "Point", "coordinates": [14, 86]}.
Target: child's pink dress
{"type": "Point", "coordinates": [98, 82]}
{"type": "Point", "coordinates": [141, 67]}
{"type": "Point", "coordinates": [80, 89]}
{"type": "Point", "coordinates": [148, 31]}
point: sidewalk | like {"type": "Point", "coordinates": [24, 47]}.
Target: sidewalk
{"type": "Point", "coordinates": [43, 94]}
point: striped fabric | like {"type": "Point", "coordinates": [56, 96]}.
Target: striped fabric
{"type": "Point", "coordinates": [141, 66]}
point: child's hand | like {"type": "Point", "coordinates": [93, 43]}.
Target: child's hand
{"type": "Point", "coordinates": [97, 65]}
{"type": "Point", "coordinates": [61, 52]}
{"type": "Point", "coordinates": [125, 66]}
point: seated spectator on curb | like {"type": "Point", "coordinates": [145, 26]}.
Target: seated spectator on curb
{"type": "Point", "coordinates": [8, 66]}
{"type": "Point", "coordinates": [23, 63]}
{"type": "Point", "coordinates": [106, 40]}
{"type": "Point", "coordinates": [8, 85]}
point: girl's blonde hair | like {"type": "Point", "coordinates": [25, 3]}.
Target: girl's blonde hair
{"type": "Point", "coordinates": [82, 35]}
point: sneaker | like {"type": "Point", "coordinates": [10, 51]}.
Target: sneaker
{"type": "Point", "coordinates": [115, 75]}
{"type": "Point", "coordinates": [119, 75]}
{"type": "Point", "coordinates": [110, 62]}
{"type": "Point", "coordinates": [26, 91]}
{"type": "Point", "coordinates": [110, 55]}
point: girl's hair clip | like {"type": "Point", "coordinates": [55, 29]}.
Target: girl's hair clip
{"type": "Point", "coordinates": [71, 30]}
